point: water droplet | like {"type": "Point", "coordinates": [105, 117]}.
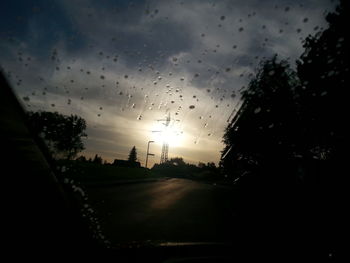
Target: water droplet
{"type": "Point", "coordinates": [240, 29]}
{"type": "Point", "coordinates": [305, 20]}
{"type": "Point", "coordinates": [102, 77]}
{"type": "Point", "coordinates": [257, 110]}
{"type": "Point", "coordinates": [26, 98]}
{"type": "Point", "coordinates": [52, 105]}
{"type": "Point", "coordinates": [126, 76]}
{"type": "Point", "coordinates": [191, 107]}
{"type": "Point", "coordinates": [139, 117]}
{"type": "Point", "coordinates": [222, 18]}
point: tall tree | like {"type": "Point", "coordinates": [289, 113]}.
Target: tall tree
{"type": "Point", "coordinates": [97, 159]}
{"type": "Point", "coordinates": [323, 109]}
{"type": "Point", "coordinates": [62, 134]}
{"type": "Point", "coordinates": [261, 134]}
{"type": "Point", "coordinates": [323, 102]}
{"type": "Point", "coordinates": [133, 155]}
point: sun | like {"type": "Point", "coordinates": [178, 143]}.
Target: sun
{"type": "Point", "coordinates": [170, 135]}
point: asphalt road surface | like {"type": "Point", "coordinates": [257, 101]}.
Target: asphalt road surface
{"type": "Point", "coordinates": [171, 210]}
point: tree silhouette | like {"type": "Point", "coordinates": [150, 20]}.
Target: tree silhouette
{"type": "Point", "coordinates": [97, 159]}
{"type": "Point", "coordinates": [324, 73]}
{"type": "Point", "coordinates": [294, 124]}
{"type": "Point", "coordinates": [132, 155]}
{"type": "Point", "coordinates": [63, 134]}
{"type": "Point", "coordinates": [323, 105]}
{"type": "Point", "coordinates": [261, 134]}
{"type": "Point", "coordinates": [176, 161]}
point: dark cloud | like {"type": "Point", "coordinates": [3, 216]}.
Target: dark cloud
{"type": "Point", "coordinates": [139, 61]}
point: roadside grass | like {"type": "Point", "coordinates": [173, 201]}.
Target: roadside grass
{"type": "Point", "coordinates": [92, 172]}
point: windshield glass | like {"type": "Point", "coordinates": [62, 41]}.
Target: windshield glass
{"type": "Point", "coordinates": [172, 115]}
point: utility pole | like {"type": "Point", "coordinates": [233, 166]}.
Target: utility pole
{"type": "Point", "coordinates": [147, 154]}
{"type": "Point", "coordinates": [165, 147]}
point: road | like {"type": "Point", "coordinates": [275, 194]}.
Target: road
{"type": "Point", "coordinates": [176, 210]}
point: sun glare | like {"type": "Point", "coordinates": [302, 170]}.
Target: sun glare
{"type": "Point", "coordinates": [170, 134]}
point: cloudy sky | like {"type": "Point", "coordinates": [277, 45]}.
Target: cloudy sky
{"type": "Point", "coordinates": [126, 65]}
